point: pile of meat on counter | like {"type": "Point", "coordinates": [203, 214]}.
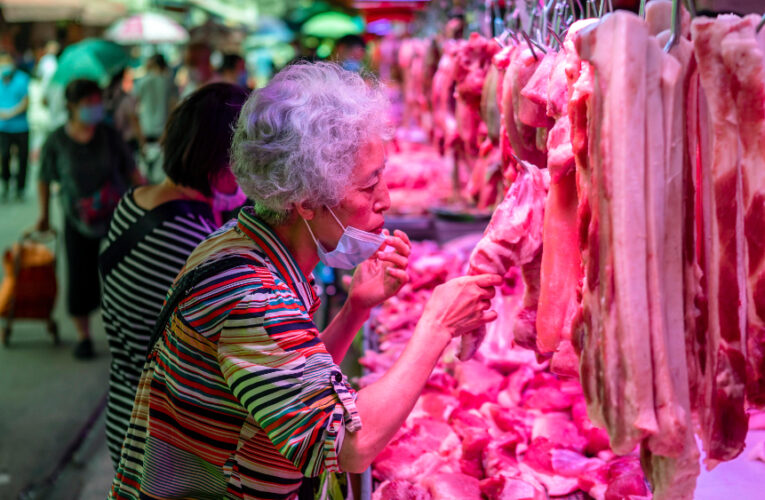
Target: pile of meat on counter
{"type": "Point", "coordinates": [417, 177]}
{"type": "Point", "coordinates": [499, 426]}
{"type": "Point", "coordinates": [634, 221]}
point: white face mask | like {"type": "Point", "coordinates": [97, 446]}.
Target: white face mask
{"type": "Point", "coordinates": [227, 202]}
{"type": "Point", "coordinates": [355, 246]}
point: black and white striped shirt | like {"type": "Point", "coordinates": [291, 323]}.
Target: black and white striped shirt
{"type": "Point", "coordinates": [134, 292]}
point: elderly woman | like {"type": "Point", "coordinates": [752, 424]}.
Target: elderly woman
{"type": "Point", "coordinates": [242, 396]}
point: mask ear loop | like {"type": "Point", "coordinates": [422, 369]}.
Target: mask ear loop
{"type": "Point", "coordinates": [336, 219]}
{"type": "Point", "coordinates": [316, 242]}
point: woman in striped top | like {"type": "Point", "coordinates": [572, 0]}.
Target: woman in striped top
{"type": "Point", "coordinates": [153, 231]}
{"type": "Point", "coordinates": [242, 396]}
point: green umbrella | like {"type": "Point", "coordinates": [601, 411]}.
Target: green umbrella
{"type": "Point", "coordinates": [332, 25]}
{"type": "Point", "coordinates": [92, 58]}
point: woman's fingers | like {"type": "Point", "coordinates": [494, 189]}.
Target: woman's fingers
{"type": "Point", "coordinates": [403, 237]}
{"type": "Point", "coordinates": [400, 245]}
{"type": "Point", "coordinates": [398, 274]}
{"type": "Point", "coordinates": [394, 258]}
{"type": "Point", "coordinates": [489, 316]}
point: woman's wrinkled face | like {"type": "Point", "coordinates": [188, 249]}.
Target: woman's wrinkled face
{"type": "Point", "coordinates": [365, 201]}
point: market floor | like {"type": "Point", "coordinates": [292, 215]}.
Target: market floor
{"type": "Point", "coordinates": [46, 396]}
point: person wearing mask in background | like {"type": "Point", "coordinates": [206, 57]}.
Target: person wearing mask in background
{"type": "Point", "coordinates": [93, 168]}
{"type": "Point", "coordinates": [14, 126]}
{"type": "Point", "coordinates": [350, 52]}
{"type": "Point", "coordinates": [155, 228]}
{"type": "Point", "coordinates": [121, 113]}
{"type": "Point", "coordinates": [242, 396]}
{"type": "Point", "coordinates": [233, 70]}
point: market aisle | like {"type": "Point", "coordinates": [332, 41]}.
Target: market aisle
{"type": "Point", "coordinates": [46, 395]}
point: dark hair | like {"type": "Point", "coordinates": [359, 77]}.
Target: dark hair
{"type": "Point", "coordinates": [351, 41]}
{"type": "Point", "coordinates": [116, 80]}
{"type": "Point", "coordinates": [198, 135]}
{"type": "Point", "coordinates": [159, 61]}
{"type": "Point", "coordinates": [78, 90]}
{"type": "Point", "coordinates": [230, 61]}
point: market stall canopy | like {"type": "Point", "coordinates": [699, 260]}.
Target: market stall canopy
{"type": "Point", "coordinates": [91, 58]}
{"type": "Point", "coordinates": [89, 13]}
{"type": "Point", "coordinates": [102, 13]}
{"type": "Point", "coordinates": [332, 25]}
{"type": "Point", "coordinates": [147, 27]}
{"type": "Point", "coordinates": [269, 31]}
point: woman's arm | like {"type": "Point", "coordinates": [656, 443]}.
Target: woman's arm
{"type": "Point", "coordinates": [376, 280]}
{"type": "Point", "coordinates": [18, 109]}
{"type": "Point", "coordinates": [456, 307]}
{"type": "Point", "coordinates": [339, 334]}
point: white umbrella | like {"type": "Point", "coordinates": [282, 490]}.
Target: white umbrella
{"type": "Point", "coordinates": [147, 27]}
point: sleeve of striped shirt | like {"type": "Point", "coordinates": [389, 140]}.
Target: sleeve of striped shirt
{"type": "Point", "coordinates": [278, 368]}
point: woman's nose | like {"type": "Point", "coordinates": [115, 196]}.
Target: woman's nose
{"type": "Point", "coordinates": [382, 203]}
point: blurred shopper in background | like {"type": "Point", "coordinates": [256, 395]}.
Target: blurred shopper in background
{"type": "Point", "coordinates": [122, 114]}
{"type": "Point", "coordinates": [48, 63]}
{"type": "Point", "coordinates": [93, 168]}
{"type": "Point", "coordinates": [156, 96]}
{"type": "Point", "coordinates": [233, 70]}
{"type": "Point", "coordinates": [197, 69]}
{"type": "Point", "coordinates": [350, 52]}
{"type": "Point", "coordinates": [154, 230]}
{"type": "Point", "coordinates": [14, 126]}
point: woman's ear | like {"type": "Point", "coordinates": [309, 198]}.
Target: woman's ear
{"type": "Point", "coordinates": [304, 210]}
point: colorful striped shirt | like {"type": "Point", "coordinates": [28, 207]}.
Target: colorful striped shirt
{"type": "Point", "coordinates": [239, 397]}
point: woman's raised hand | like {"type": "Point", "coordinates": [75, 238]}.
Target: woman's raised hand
{"type": "Point", "coordinates": [461, 305]}
{"type": "Point", "coordinates": [382, 275]}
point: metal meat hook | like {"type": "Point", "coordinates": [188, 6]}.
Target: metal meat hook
{"type": "Point", "coordinates": [531, 43]}
{"type": "Point", "coordinates": [674, 39]}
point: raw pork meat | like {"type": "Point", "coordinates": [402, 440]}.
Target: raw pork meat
{"type": "Point", "coordinates": [561, 263]}
{"type": "Point", "coordinates": [723, 419]}
{"type": "Point", "coordinates": [473, 62]}
{"type": "Point", "coordinates": [445, 132]}
{"type": "Point", "coordinates": [670, 458]}
{"type": "Point", "coordinates": [514, 427]}
{"type": "Point", "coordinates": [522, 137]}
{"type": "Point", "coordinates": [453, 486]}
{"type": "Point", "coordinates": [512, 238]}
{"type": "Point", "coordinates": [616, 48]}
{"type": "Point", "coordinates": [745, 59]}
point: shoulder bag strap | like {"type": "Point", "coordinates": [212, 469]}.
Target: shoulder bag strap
{"type": "Point", "coordinates": [187, 282]}
{"type": "Point", "coordinates": [129, 239]}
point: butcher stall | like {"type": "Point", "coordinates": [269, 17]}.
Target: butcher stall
{"type": "Point", "coordinates": [610, 164]}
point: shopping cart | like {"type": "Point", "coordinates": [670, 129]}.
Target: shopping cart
{"type": "Point", "coordinates": [29, 286]}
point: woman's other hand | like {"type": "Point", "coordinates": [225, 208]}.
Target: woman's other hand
{"type": "Point", "coordinates": [382, 275]}
{"type": "Point", "coordinates": [460, 305]}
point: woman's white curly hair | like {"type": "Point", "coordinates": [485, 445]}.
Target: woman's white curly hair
{"type": "Point", "coordinates": [298, 138]}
